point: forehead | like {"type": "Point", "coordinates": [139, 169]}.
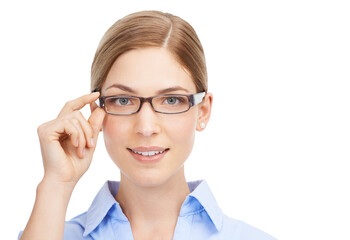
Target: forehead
{"type": "Point", "coordinates": [148, 70]}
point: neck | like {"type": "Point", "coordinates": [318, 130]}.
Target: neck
{"type": "Point", "coordinates": [153, 206]}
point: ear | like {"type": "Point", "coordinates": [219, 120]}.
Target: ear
{"type": "Point", "coordinates": [93, 106]}
{"type": "Point", "coordinates": [204, 112]}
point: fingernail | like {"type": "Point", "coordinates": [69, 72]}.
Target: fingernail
{"type": "Point", "coordinates": [95, 93]}
{"type": "Point", "coordinates": [77, 143]}
{"type": "Point", "coordinates": [92, 142]}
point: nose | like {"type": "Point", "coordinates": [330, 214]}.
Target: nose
{"type": "Point", "coordinates": [147, 121]}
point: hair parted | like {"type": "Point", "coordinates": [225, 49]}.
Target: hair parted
{"type": "Point", "coordinates": [151, 29]}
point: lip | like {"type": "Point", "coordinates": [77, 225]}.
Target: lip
{"type": "Point", "coordinates": [147, 149]}
{"type": "Point", "coordinates": [148, 159]}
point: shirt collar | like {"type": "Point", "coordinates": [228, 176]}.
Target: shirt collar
{"type": "Point", "coordinates": [202, 197]}
{"type": "Point", "coordinates": [99, 208]}
{"type": "Point", "coordinates": [199, 198]}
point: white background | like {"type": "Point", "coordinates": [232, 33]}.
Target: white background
{"type": "Point", "coordinates": [276, 150]}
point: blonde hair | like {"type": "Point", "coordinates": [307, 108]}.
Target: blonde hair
{"type": "Point", "coordinates": [151, 29]}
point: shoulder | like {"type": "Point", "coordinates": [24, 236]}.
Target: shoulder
{"type": "Point", "coordinates": [243, 231]}
{"type": "Point", "coordinates": [73, 229]}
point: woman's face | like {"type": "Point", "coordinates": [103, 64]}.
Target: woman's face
{"type": "Point", "coordinates": [145, 73]}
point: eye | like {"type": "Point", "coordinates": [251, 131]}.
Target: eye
{"type": "Point", "coordinates": [172, 100]}
{"type": "Point", "coordinates": [122, 101]}
{"type": "Point", "coordinates": [175, 100]}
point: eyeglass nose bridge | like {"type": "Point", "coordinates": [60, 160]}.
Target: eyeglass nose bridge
{"type": "Point", "coordinates": [143, 100]}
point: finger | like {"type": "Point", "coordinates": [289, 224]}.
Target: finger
{"type": "Point", "coordinates": [80, 137]}
{"type": "Point", "coordinates": [74, 139]}
{"type": "Point", "coordinates": [78, 103]}
{"type": "Point", "coordinates": [60, 131]}
{"type": "Point", "coordinates": [87, 129]}
{"type": "Point", "coordinates": [74, 135]}
{"type": "Point", "coordinates": [96, 120]}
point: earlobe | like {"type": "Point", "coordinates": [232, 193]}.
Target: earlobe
{"type": "Point", "coordinates": [200, 126]}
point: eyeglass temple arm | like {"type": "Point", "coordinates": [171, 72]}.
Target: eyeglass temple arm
{"type": "Point", "coordinates": [198, 97]}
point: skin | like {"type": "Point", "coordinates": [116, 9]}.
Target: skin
{"type": "Point", "coordinates": [67, 146]}
{"type": "Point", "coordinates": [68, 143]}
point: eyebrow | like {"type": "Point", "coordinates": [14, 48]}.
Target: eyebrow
{"type": "Point", "coordinates": [162, 91]}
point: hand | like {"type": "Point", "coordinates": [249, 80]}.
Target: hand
{"type": "Point", "coordinates": [69, 141]}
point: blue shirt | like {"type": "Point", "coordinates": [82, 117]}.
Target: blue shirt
{"type": "Point", "coordinates": [200, 218]}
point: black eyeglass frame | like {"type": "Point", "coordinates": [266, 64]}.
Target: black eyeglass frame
{"type": "Point", "coordinates": [193, 99]}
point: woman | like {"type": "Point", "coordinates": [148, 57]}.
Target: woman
{"type": "Point", "coordinates": [149, 80]}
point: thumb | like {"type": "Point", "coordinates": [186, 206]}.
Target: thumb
{"type": "Point", "coordinates": [96, 120]}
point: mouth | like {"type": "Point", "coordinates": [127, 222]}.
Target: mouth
{"type": "Point", "coordinates": [148, 151]}
{"type": "Point", "coordinates": [148, 154]}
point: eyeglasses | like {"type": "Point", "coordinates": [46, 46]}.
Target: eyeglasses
{"type": "Point", "coordinates": [167, 104]}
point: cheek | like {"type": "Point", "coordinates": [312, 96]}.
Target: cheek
{"type": "Point", "coordinates": [115, 131]}
{"type": "Point", "coordinates": [181, 130]}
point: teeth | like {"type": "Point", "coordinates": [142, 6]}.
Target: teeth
{"type": "Point", "coordinates": [150, 153]}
